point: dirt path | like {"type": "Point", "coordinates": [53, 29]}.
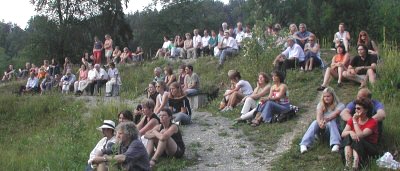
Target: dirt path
{"type": "Point", "coordinates": [216, 145]}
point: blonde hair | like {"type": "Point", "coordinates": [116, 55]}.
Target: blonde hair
{"type": "Point", "coordinates": [335, 102]}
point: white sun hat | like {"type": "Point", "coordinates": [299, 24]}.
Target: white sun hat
{"type": "Point", "coordinates": [107, 124]}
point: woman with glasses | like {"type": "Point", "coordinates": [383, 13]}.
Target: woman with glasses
{"type": "Point", "coordinates": [312, 53]}
{"type": "Point", "coordinates": [360, 136]}
{"type": "Point", "coordinates": [162, 97]}
{"type": "Point", "coordinates": [364, 39]}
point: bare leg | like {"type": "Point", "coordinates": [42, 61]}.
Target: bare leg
{"type": "Point", "coordinates": [356, 159]}
{"type": "Point", "coordinates": [306, 66]}
{"type": "Point", "coordinates": [371, 76]}
{"type": "Point", "coordinates": [310, 65]}
{"type": "Point", "coordinates": [340, 74]}
{"type": "Point", "coordinates": [327, 77]}
{"type": "Point", "coordinates": [348, 153]}
{"type": "Point", "coordinates": [169, 146]}
{"type": "Point", "coordinates": [232, 99]}
{"type": "Point", "coordinates": [150, 147]}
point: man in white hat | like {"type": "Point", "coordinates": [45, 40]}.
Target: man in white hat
{"type": "Point", "coordinates": [104, 146]}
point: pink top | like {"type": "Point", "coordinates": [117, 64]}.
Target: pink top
{"type": "Point", "coordinates": [83, 74]}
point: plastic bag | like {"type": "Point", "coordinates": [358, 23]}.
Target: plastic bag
{"type": "Point", "coordinates": [387, 161]}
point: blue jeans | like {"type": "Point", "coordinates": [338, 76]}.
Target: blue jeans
{"type": "Point", "coordinates": [226, 52]}
{"type": "Point", "coordinates": [270, 108]}
{"type": "Point", "coordinates": [331, 129]}
{"type": "Point", "coordinates": [183, 118]}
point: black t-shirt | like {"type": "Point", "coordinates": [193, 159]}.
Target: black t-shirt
{"type": "Point", "coordinates": [358, 62]}
{"type": "Point", "coordinates": [177, 104]}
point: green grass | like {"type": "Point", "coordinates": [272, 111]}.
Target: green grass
{"type": "Point", "coordinates": [50, 133]}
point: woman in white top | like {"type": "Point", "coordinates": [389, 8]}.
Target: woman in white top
{"type": "Point", "coordinates": [241, 89]}
{"type": "Point", "coordinates": [328, 109]}
{"type": "Point", "coordinates": [342, 37]}
{"type": "Point", "coordinates": [312, 53]}
{"type": "Point", "coordinates": [162, 97]}
{"type": "Point", "coordinates": [250, 102]}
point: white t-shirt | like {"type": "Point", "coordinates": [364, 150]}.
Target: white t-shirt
{"type": "Point", "coordinates": [244, 87]}
{"type": "Point", "coordinates": [166, 44]}
{"type": "Point", "coordinates": [204, 41]}
{"type": "Point", "coordinates": [93, 74]}
{"type": "Point", "coordinates": [294, 51]}
{"type": "Point", "coordinates": [196, 41]}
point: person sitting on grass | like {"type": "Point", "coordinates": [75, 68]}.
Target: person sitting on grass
{"type": "Point", "coordinates": [179, 104]}
{"type": "Point", "coordinates": [158, 76]}
{"type": "Point", "coordinates": [151, 94]}
{"type": "Point", "coordinates": [32, 85]}
{"type": "Point", "coordinates": [126, 116]}
{"type": "Point", "coordinates": [9, 73]}
{"type": "Point", "coordinates": [82, 81]}
{"type": "Point", "coordinates": [181, 75]}
{"type": "Point", "coordinates": [276, 102]}
{"type": "Point", "coordinates": [150, 119]}
{"type": "Point", "coordinates": [328, 109]}
{"type": "Point", "coordinates": [67, 81]}
{"type": "Point", "coordinates": [46, 84]}
{"type": "Point", "coordinates": [125, 56]}
{"type": "Point", "coordinates": [104, 146]}
{"type": "Point", "coordinates": [162, 97]}
{"type": "Point", "coordinates": [192, 82]}
{"type": "Point", "coordinates": [116, 55]}
{"type": "Point", "coordinates": [360, 136]}
{"type": "Point", "coordinates": [132, 154]}
{"type": "Point", "coordinates": [250, 102]}
{"type": "Point", "coordinates": [312, 54]}
{"type": "Point", "coordinates": [339, 64]}
{"type": "Point", "coordinates": [241, 89]}
{"type": "Point", "coordinates": [165, 139]}
{"type": "Point", "coordinates": [292, 57]}
{"type": "Point", "coordinates": [169, 75]}
{"type": "Point", "coordinates": [137, 56]}
{"type": "Point", "coordinates": [362, 68]}
{"type": "Point", "coordinates": [378, 110]}
{"type": "Point", "coordinates": [113, 76]}
{"type": "Point", "coordinates": [228, 47]}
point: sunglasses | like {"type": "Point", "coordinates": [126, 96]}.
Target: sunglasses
{"type": "Point", "coordinates": [358, 108]}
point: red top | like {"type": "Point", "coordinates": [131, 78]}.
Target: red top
{"type": "Point", "coordinates": [372, 124]}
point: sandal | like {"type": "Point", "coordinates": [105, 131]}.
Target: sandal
{"type": "Point", "coordinates": [153, 163]}
{"type": "Point", "coordinates": [255, 123]}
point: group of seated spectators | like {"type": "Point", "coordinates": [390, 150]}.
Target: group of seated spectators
{"type": "Point", "coordinates": [227, 42]}
{"type": "Point", "coordinates": [363, 120]}
{"type": "Point", "coordinates": [52, 77]}
{"type": "Point", "coordinates": [151, 130]}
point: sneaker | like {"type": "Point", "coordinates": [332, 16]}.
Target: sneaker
{"type": "Point", "coordinates": [303, 149]}
{"type": "Point", "coordinates": [335, 148]}
{"type": "Point", "coordinates": [227, 108]}
{"type": "Point", "coordinates": [340, 85]}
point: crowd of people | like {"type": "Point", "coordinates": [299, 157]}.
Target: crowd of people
{"type": "Point", "coordinates": [152, 129]}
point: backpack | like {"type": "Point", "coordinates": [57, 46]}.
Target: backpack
{"type": "Point", "coordinates": [281, 117]}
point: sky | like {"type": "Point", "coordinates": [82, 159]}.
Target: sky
{"type": "Point", "coordinates": [20, 11]}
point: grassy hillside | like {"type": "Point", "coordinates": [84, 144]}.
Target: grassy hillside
{"type": "Point", "coordinates": [57, 133]}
